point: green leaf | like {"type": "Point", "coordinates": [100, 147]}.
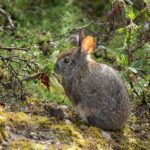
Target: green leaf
{"type": "Point", "coordinates": [122, 59]}
{"type": "Point", "coordinates": [54, 55]}
{"type": "Point", "coordinates": [132, 70]}
{"type": "Point", "coordinates": [55, 83]}
{"type": "Point", "coordinates": [131, 13]}
{"type": "Point", "coordinates": [121, 30]}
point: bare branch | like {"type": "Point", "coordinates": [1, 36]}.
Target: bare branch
{"type": "Point", "coordinates": [132, 86]}
{"type": "Point", "coordinates": [31, 77]}
{"type": "Point", "coordinates": [134, 49]}
{"type": "Point", "coordinates": [13, 48]}
{"type": "Point", "coordinates": [3, 12]}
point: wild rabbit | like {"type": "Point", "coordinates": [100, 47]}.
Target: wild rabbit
{"type": "Point", "coordinates": [97, 92]}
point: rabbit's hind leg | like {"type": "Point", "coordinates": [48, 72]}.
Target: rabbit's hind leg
{"type": "Point", "coordinates": [100, 122]}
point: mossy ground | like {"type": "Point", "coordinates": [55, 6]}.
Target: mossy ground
{"type": "Point", "coordinates": [38, 129]}
{"type": "Point", "coordinates": [40, 124]}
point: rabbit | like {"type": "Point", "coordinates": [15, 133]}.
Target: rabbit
{"type": "Point", "coordinates": [95, 89]}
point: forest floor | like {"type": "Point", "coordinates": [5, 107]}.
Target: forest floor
{"type": "Point", "coordinates": [43, 126]}
{"type": "Point", "coordinates": [44, 26]}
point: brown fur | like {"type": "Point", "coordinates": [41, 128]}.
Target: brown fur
{"type": "Point", "coordinates": [66, 53]}
{"type": "Point", "coordinates": [96, 90]}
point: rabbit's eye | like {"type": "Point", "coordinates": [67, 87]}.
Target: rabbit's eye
{"type": "Point", "coordinates": [66, 60]}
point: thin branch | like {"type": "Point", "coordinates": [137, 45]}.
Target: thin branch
{"type": "Point", "coordinates": [132, 86]}
{"type": "Point", "coordinates": [14, 73]}
{"type": "Point", "coordinates": [13, 48]}
{"type": "Point", "coordinates": [2, 11]}
{"type": "Point", "coordinates": [134, 49]}
{"type": "Point", "coordinates": [31, 77]}
{"type": "Point", "coordinates": [80, 27]}
{"type": "Point", "coordinates": [17, 60]}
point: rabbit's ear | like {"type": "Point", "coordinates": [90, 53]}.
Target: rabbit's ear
{"type": "Point", "coordinates": [81, 36]}
{"type": "Point", "coordinates": [87, 45]}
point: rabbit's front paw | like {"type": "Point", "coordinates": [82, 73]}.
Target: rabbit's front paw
{"type": "Point", "coordinates": [82, 113]}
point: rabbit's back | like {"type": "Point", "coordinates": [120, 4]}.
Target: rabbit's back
{"type": "Point", "coordinates": [99, 93]}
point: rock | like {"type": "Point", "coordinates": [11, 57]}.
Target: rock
{"type": "Point", "coordinates": [45, 135]}
{"type": "Point", "coordinates": [46, 142]}
{"type": "Point", "coordinates": [66, 115]}
{"type": "Point", "coordinates": [55, 111]}
{"type": "Point", "coordinates": [68, 122]}
{"type": "Point", "coordinates": [5, 144]}
{"type": "Point", "coordinates": [136, 127]}
{"type": "Point", "coordinates": [34, 135]}
{"type": "Point", "coordinates": [64, 107]}
{"type": "Point", "coordinates": [106, 135]}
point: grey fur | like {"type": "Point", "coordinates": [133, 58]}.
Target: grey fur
{"type": "Point", "coordinates": [97, 92]}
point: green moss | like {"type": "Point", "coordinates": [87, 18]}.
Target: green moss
{"type": "Point", "coordinates": [2, 120]}
{"type": "Point", "coordinates": [129, 139]}
{"type": "Point", "coordinates": [3, 133]}
{"type": "Point", "coordinates": [1, 137]}
{"type": "Point", "coordinates": [70, 136]}
{"type": "Point", "coordinates": [24, 144]}
{"type": "Point", "coordinates": [43, 122]}
{"type": "Point", "coordinates": [19, 119]}
{"type": "Point", "coordinates": [86, 138]}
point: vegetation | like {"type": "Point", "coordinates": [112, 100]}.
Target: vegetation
{"type": "Point", "coordinates": [33, 33]}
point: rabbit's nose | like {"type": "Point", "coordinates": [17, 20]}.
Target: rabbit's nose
{"type": "Point", "coordinates": [56, 68]}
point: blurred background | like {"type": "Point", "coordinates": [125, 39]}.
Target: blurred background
{"type": "Point", "coordinates": [33, 33]}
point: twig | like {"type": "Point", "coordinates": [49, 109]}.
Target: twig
{"type": "Point", "coordinates": [72, 31]}
{"type": "Point", "coordinates": [84, 26]}
{"type": "Point", "coordinates": [80, 27]}
{"type": "Point", "coordinates": [17, 60]}
{"type": "Point", "coordinates": [144, 39]}
{"type": "Point", "coordinates": [103, 23]}
{"type": "Point", "coordinates": [134, 49]}
{"type": "Point", "coordinates": [31, 77]}
{"type": "Point", "coordinates": [2, 11]}
{"type": "Point", "coordinates": [132, 86]}
{"type": "Point", "coordinates": [13, 48]}
{"type": "Point", "coordinates": [14, 73]}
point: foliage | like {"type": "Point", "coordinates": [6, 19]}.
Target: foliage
{"type": "Point", "coordinates": [45, 27]}
{"type": "Point", "coordinates": [32, 34]}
